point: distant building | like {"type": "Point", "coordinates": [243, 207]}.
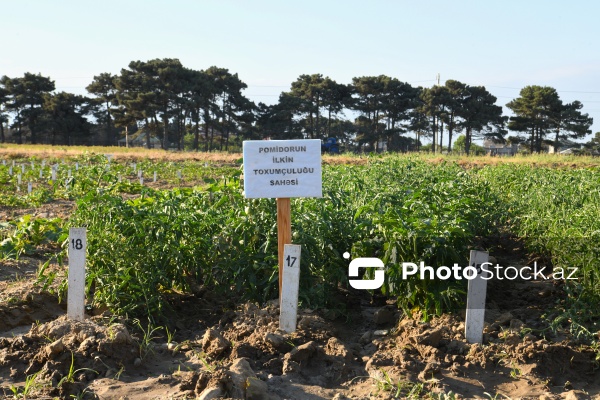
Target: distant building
{"type": "Point", "coordinates": [566, 146]}
{"type": "Point", "coordinates": [498, 149]}
{"type": "Point", "coordinates": [138, 139]}
{"type": "Point", "coordinates": [567, 151]}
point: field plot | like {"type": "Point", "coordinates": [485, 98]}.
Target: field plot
{"type": "Point", "coordinates": [181, 280]}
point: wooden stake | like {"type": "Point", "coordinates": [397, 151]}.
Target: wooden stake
{"type": "Point", "coordinates": [289, 296]}
{"type": "Point", "coordinates": [477, 287]}
{"type": "Point", "coordinates": [284, 232]}
{"type": "Point", "coordinates": [76, 289]}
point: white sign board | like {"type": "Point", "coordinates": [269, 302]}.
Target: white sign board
{"type": "Point", "coordinates": [282, 168]}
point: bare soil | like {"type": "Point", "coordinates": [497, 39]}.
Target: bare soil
{"type": "Point", "coordinates": [218, 347]}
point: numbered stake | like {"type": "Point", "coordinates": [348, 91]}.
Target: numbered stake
{"type": "Point", "coordinates": [76, 291]}
{"type": "Point", "coordinates": [29, 187]}
{"type": "Point", "coordinates": [289, 292]}
{"type": "Point", "coordinates": [476, 299]}
{"type": "Point", "coordinates": [154, 176]}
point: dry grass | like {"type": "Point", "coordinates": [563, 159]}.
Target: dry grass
{"type": "Point", "coordinates": [541, 160]}
{"type": "Point", "coordinates": [12, 151]}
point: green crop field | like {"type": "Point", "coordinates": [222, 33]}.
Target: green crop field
{"type": "Point", "coordinates": [194, 228]}
{"type": "Point", "coordinates": [184, 269]}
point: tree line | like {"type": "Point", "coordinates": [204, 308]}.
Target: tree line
{"type": "Point", "coordinates": [207, 110]}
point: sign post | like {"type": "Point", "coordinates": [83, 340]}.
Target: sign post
{"type": "Point", "coordinates": [282, 169]}
{"type": "Point", "coordinates": [284, 233]}
{"type": "Point", "coordinates": [76, 290]}
{"type": "Point", "coordinates": [289, 294]}
{"type": "Point", "coordinates": [476, 294]}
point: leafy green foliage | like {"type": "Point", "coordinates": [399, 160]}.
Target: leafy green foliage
{"type": "Point", "coordinates": [25, 234]}
{"type": "Point", "coordinates": [411, 211]}
{"type": "Point", "coordinates": [556, 212]}
{"type": "Point", "coordinates": [171, 241]}
{"type": "Point", "coordinates": [149, 244]}
{"type": "Point", "coordinates": [142, 249]}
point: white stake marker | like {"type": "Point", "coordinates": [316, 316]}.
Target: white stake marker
{"type": "Point", "coordinates": [154, 176]}
{"type": "Point", "coordinates": [76, 291]}
{"type": "Point", "coordinates": [477, 288]}
{"type": "Point", "coordinates": [140, 173]}
{"type": "Point", "coordinates": [53, 174]}
{"type": "Point", "coordinates": [18, 179]}
{"type": "Point", "coordinates": [22, 168]}
{"type": "Point", "coordinates": [29, 187]}
{"type": "Point", "coordinates": [41, 173]}
{"type": "Point", "coordinates": [76, 166]}
{"type": "Point", "coordinates": [289, 288]}
{"type": "Point", "coordinates": [141, 180]}
{"type": "Point", "coordinates": [10, 171]}
{"type": "Point", "coordinates": [179, 173]}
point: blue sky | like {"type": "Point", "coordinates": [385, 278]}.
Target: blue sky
{"type": "Point", "coordinates": [502, 45]}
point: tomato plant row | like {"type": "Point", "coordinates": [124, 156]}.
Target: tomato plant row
{"type": "Point", "coordinates": [142, 249]}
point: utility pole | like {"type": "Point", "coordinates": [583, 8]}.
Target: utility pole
{"type": "Point", "coordinates": [441, 123]}
{"type": "Point", "coordinates": [435, 119]}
